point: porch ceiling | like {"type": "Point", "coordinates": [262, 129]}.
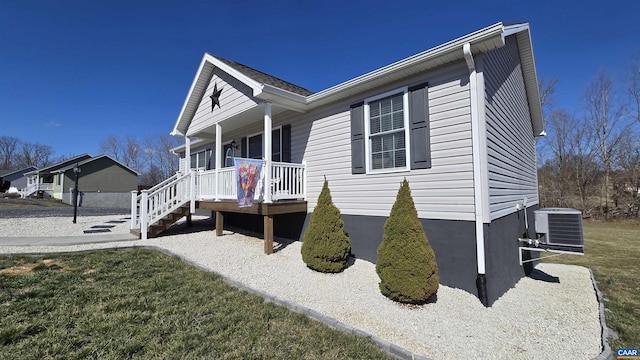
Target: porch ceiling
{"type": "Point", "coordinates": [238, 121]}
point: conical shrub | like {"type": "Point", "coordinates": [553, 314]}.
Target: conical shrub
{"type": "Point", "coordinates": [406, 262]}
{"type": "Point", "coordinates": [325, 245]}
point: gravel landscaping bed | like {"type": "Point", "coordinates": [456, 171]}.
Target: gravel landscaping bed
{"type": "Point", "coordinates": [535, 320]}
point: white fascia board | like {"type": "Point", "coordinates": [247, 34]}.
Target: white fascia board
{"type": "Point", "coordinates": [525, 48]}
{"type": "Point", "coordinates": [283, 97]}
{"type": "Point", "coordinates": [479, 36]}
{"type": "Point", "coordinates": [190, 94]}
{"type": "Point", "coordinates": [515, 28]}
{"type": "Point", "coordinates": [254, 85]}
{"type": "Point", "coordinates": [205, 70]}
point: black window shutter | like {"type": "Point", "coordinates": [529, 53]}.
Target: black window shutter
{"type": "Point", "coordinates": [419, 127]}
{"type": "Point", "coordinates": [357, 139]}
{"type": "Point", "coordinates": [243, 147]}
{"type": "Point", "coordinates": [286, 143]}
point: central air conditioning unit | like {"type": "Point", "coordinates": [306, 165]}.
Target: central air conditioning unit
{"type": "Point", "coordinates": [560, 229]}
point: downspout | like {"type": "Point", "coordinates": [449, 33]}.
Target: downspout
{"type": "Point", "coordinates": [481, 281]}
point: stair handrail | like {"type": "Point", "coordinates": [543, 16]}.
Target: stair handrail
{"type": "Point", "coordinates": [164, 182]}
{"type": "Point", "coordinates": [30, 189]}
{"type": "Point", "coordinates": [159, 201]}
{"type": "Point", "coordinates": [137, 197]}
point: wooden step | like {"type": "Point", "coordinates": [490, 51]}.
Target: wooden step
{"type": "Point", "coordinates": [164, 223]}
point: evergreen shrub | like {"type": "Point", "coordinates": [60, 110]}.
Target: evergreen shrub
{"type": "Point", "coordinates": [406, 262]}
{"type": "Point", "coordinates": [326, 247]}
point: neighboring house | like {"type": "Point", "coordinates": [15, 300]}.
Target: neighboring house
{"type": "Point", "coordinates": [102, 180]}
{"type": "Point", "coordinates": [41, 181]}
{"type": "Point", "coordinates": [458, 121]}
{"type": "Point", "coordinates": [16, 178]}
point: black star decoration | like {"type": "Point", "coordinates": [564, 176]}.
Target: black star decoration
{"type": "Point", "coordinates": [215, 97]}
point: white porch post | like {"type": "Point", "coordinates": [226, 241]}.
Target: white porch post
{"type": "Point", "coordinates": [144, 209]}
{"type": "Point", "coordinates": [267, 153]}
{"type": "Point", "coordinates": [192, 182]}
{"type": "Point", "coordinates": [218, 159]}
{"type": "Point", "coordinates": [187, 154]}
{"type": "Point", "coordinates": [134, 209]}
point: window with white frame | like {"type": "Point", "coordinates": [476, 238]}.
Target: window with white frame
{"type": "Point", "coordinates": [387, 125]}
{"type": "Point", "coordinates": [255, 145]}
{"type": "Point", "coordinates": [199, 160]}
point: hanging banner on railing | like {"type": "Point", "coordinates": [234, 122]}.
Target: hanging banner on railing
{"type": "Point", "coordinates": [248, 175]}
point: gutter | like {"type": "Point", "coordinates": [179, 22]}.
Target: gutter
{"type": "Point", "coordinates": [478, 37]}
{"type": "Point", "coordinates": [481, 281]}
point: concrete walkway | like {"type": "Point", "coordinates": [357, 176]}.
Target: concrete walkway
{"type": "Point", "coordinates": [65, 240]}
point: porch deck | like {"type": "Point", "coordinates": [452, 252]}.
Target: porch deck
{"type": "Point", "coordinates": [281, 191]}
{"type": "Point", "coordinates": [267, 210]}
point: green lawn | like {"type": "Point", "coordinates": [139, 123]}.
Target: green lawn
{"type": "Point", "coordinates": [612, 251]}
{"type": "Point", "coordinates": [144, 304]}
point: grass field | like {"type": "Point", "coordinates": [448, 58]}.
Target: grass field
{"type": "Point", "coordinates": [612, 251]}
{"type": "Point", "coordinates": [144, 304]}
{"type": "Point", "coordinates": [13, 203]}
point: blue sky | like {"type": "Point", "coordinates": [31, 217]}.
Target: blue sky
{"type": "Point", "coordinates": [74, 72]}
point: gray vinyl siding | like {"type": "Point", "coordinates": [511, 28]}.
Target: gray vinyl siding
{"type": "Point", "coordinates": [511, 155]}
{"type": "Point", "coordinates": [235, 98]}
{"type": "Point", "coordinates": [102, 175]}
{"type": "Point", "coordinates": [445, 191]}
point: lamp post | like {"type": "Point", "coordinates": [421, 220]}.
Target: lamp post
{"type": "Point", "coordinates": [76, 170]}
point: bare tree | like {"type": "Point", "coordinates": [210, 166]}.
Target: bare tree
{"type": "Point", "coordinates": [546, 88]}
{"type": "Point", "coordinates": [133, 154]}
{"type": "Point", "coordinates": [571, 171]}
{"type": "Point", "coordinates": [634, 86]}
{"type": "Point", "coordinates": [34, 154]}
{"type": "Point", "coordinates": [162, 163]}
{"type": "Point", "coordinates": [152, 157]}
{"type": "Point", "coordinates": [627, 174]}
{"type": "Point", "coordinates": [604, 114]}
{"type": "Point", "coordinates": [113, 147]}
{"type": "Point", "coordinates": [8, 148]}
{"type": "Point", "coordinates": [126, 150]}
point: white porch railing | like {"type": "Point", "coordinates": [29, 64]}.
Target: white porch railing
{"type": "Point", "coordinates": [210, 186]}
{"type": "Point", "coordinates": [288, 182]}
{"type": "Point", "coordinates": [33, 187]}
{"type": "Point", "coordinates": [30, 189]}
{"type": "Point", "coordinates": [152, 205]}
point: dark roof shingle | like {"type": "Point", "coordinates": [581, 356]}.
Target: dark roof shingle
{"type": "Point", "coordinates": [261, 77]}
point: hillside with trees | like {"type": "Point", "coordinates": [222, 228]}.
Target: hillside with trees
{"type": "Point", "coordinates": [590, 159]}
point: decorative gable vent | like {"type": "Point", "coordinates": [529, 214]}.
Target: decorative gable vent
{"type": "Point", "coordinates": [560, 229]}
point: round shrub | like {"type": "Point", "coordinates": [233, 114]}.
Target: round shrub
{"type": "Point", "coordinates": [406, 262]}
{"type": "Point", "coordinates": [325, 245]}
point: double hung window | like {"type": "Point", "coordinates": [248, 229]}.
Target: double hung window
{"type": "Point", "coordinates": [386, 124]}
{"type": "Point", "coordinates": [199, 160]}
{"type": "Point", "coordinates": [390, 132]}
{"type": "Point", "coordinates": [255, 145]}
